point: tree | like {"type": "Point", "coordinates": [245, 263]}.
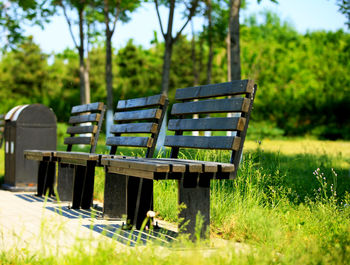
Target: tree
{"type": "Point", "coordinates": [15, 13]}
{"type": "Point", "coordinates": [80, 6]}
{"type": "Point", "coordinates": [169, 39]}
{"type": "Point", "coordinates": [112, 12]}
{"type": "Point", "coordinates": [234, 29]}
{"type": "Point", "coordinates": [344, 8]}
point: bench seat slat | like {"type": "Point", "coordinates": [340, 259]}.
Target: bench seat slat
{"type": "Point", "coordinates": [135, 163]}
{"type": "Point", "coordinates": [82, 129]}
{"type": "Point", "coordinates": [79, 140]}
{"type": "Point", "coordinates": [147, 114]}
{"type": "Point", "coordinates": [203, 142]}
{"type": "Point", "coordinates": [38, 152]}
{"type": "Point", "coordinates": [207, 124]}
{"type": "Point", "coordinates": [141, 102]}
{"type": "Point", "coordinates": [97, 106]}
{"type": "Point", "coordinates": [215, 90]}
{"type": "Point", "coordinates": [84, 118]}
{"type": "Point", "coordinates": [130, 141]}
{"type": "Point", "coordinates": [142, 127]}
{"type": "Point", "coordinates": [76, 155]}
{"type": "Point", "coordinates": [212, 106]}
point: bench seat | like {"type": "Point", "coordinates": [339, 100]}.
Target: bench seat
{"type": "Point", "coordinates": [165, 168]}
{"type": "Point", "coordinates": [39, 155]}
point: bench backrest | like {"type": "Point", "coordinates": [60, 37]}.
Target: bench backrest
{"type": "Point", "coordinates": [230, 97]}
{"type": "Point", "coordinates": [2, 128]}
{"type": "Point", "coordinates": [138, 116]}
{"type": "Point", "coordinates": [85, 119]}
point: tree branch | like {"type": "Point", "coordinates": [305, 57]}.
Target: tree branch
{"type": "Point", "coordinates": [192, 11]}
{"type": "Point", "coordinates": [160, 21]}
{"type": "Point", "coordinates": [69, 24]}
{"type": "Point", "coordinates": [115, 19]}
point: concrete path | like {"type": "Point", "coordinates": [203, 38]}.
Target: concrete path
{"type": "Point", "coordinates": [29, 222]}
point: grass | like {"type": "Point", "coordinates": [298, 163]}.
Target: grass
{"type": "Point", "coordinates": [279, 210]}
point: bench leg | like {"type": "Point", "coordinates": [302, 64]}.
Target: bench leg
{"type": "Point", "coordinates": [139, 200]}
{"type": "Point", "coordinates": [46, 178]}
{"type": "Point", "coordinates": [88, 186]}
{"type": "Point", "coordinates": [65, 181]}
{"type": "Point", "coordinates": [196, 197]}
{"type": "Point", "coordinates": [83, 186]}
{"type": "Point", "coordinates": [114, 205]}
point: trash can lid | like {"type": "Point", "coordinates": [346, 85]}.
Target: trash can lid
{"type": "Point", "coordinates": [14, 112]}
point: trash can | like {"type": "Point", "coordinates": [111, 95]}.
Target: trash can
{"type": "Point", "coordinates": [26, 127]}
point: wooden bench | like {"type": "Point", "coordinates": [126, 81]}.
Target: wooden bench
{"type": "Point", "coordinates": [128, 115]}
{"type": "Point", "coordinates": [193, 176]}
{"type": "Point", "coordinates": [133, 117]}
{"type": "Point", "coordinates": [92, 114]}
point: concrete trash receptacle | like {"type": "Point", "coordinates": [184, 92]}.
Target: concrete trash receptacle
{"type": "Point", "coordinates": [27, 127]}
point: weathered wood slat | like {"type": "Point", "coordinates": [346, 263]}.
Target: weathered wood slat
{"type": "Point", "coordinates": [147, 114]}
{"type": "Point", "coordinates": [178, 166]}
{"type": "Point", "coordinates": [207, 124]}
{"type": "Point", "coordinates": [130, 141]}
{"type": "Point", "coordinates": [84, 118]}
{"type": "Point", "coordinates": [82, 129]}
{"type": "Point", "coordinates": [135, 163]}
{"type": "Point", "coordinates": [77, 155]}
{"type": "Point", "coordinates": [193, 165]}
{"type": "Point", "coordinates": [2, 129]}
{"type": "Point", "coordinates": [212, 106]}
{"type": "Point", "coordinates": [141, 102]}
{"type": "Point", "coordinates": [131, 172]}
{"type": "Point", "coordinates": [203, 142]}
{"type": "Point", "coordinates": [41, 153]}
{"type": "Point", "coordinates": [215, 90]}
{"type": "Point", "coordinates": [142, 127]}
{"type": "Point", "coordinates": [78, 140]}
{"type": "Point", "coordinates": [209, 166]}
{"type": "Point", "coordinates": [97, 106]}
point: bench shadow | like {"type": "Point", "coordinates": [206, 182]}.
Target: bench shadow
{"type": "Point", "coordinates": [33, 198]}
{"type": "Point", "coordinates": [159, 236]}
{"type": "Point", "coordinates": [74, 213]}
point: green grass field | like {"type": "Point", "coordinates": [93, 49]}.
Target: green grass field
{"type": "Point", "coordinates": [288, 205]}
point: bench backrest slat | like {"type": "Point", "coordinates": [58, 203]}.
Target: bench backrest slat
{"type": "Point", "coordinates": [151, 101]}
{"type": "Point", "coordinates": [142, 127]}
{"type": "Point", "coordinates": [215, 90]}
{"type": "Point", "coordinates": [82, 129]}
{"type": "Point", "coordinates": [79, 140]}
{"type": "Point", "coordinates": [213, 102]}
{"type": "Point", "coordinates": [92, 107]}
{"type": "Point", "coordinates": [85, 119]}
{"type": "Point", "coordinates": [211, 106]}
{"type": "Point", "coordinates": [138, 116]}
{"type": "Point", "coordinates": [135, 115]}
{"type": "Point", "coordinates": [203, 142]}
{"type": "Point", "coordinates": [207, 124]}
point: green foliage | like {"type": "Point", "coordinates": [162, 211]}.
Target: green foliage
{"type": "Point", "coordinates": [303, 81]}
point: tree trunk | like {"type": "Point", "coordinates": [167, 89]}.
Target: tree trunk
{"type": "Point", "coordinates": [235, 6]}
{"type": "Point", "coordinates": [109, 81]}
{"type": "Point", "coordinates": [235, 61]}
{"type": "Point", "coordinates": [82, 67]}
{"type": "Point", "coordinates": [210, 43]}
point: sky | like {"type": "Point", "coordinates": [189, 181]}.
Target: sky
{"type": "Point", "coordinates": [304, 15]}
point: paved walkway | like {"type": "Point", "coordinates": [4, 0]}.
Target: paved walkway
{"type": "Point", "coordinates": [29, 222]}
